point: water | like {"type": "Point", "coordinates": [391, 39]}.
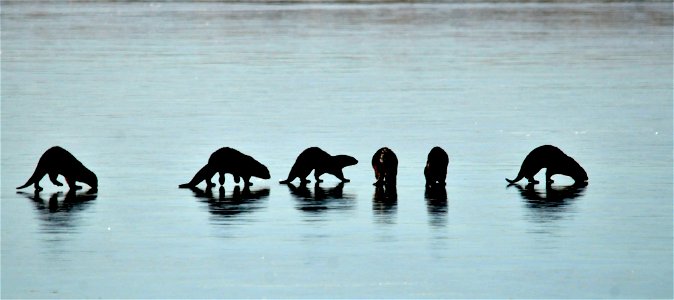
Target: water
{"type": "Point", "coordinates": [142, 93]}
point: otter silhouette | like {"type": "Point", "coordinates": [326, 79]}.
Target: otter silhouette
{"type": "Point", "coordinates": [320, 162]}
{"type": "Point", "coordinates": [57, 160]}
{"type": "Point", "coordinates": [555, 162]}
{"type": "Point", "coordinates": [385, 165]}
{"type": "Point", "coordinates": [228, 160]}
{"type": "Point", "coordinates": [436, 167]}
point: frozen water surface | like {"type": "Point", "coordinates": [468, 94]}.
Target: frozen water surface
{"type": "Point", "coordinates": [142, 93]}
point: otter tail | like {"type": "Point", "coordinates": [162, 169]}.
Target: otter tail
{"type": "Point", "coordinates": [37, 175]}
{"type": "Point", "coordinates": [30, 181]}
{"type": "Point", "coordinates": [203, 174]}
{"type": "Point", "coordinates": [518, 178]}
{"type": "Point", "coordinates": [288, 180]}
{"type": "Point", "coordinates": [291, 175]}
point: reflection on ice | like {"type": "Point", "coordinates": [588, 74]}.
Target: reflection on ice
{"type": "Point", "coordinates": [322, 199]}
{"type": "Point", "coordinates": [60, 216]}
{"type": "Point", "coordinates": [549, 204]}
{"type": "Point", "coordinates": [385, 203]}
{"type": "Point", "coordinates": [225, 206]}
{"type": "Point", "coordinates": [436, 203]}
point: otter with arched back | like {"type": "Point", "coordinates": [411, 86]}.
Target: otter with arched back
{"type": "Point", "coordinates": [385, 166]}
{"type": "Point", "coordinates": [58, 161]}
{"type": "Point", "coordinates": [554, 160]}
{"type": "Point", "coordinates": [228, 160]}
{"type": "Point", "coordinates": [436, 167]}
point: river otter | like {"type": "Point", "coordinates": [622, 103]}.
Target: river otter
{"type": "Point", "coordinates": [436, 167]}
{"type": "Point", "coordinates": [320, 162]}
{"type": "Point", "coordinates": [228, 160]}
{"type": "Point", "coordinates": [554, 160]}
{"type": "Point", "coordinates": [385, 165]}
{"type": "Point", "coordinates": [57, 160]}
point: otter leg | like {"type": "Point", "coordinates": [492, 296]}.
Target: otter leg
{"type": "Point", "coordinates": [532, 180]}
{"type": "Point", "coordinates": [548, 175]}
{"type": "Point", "coordinates": [303, 174]}
{"type": "Point", "coordinates": [221, 179]}
{"type": "Point", "coordinates": [72, 185]}
{"type": "Point", "coordinates": [246, 180]}
{"type": "Point", "coordinates": [53, 178]}
{"type": "Point", "coordinates": [317, 174]}
{"type": "Point", "coordinates": [209, 183]}
{"type": "Point", "coordinates": [340, 175]}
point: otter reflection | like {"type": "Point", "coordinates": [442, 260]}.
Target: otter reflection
{"type": "Point", "coordinates": [436, 203]}
{"type": "Point", "coordinates": [59, 216]}
{"type": "Point", "coordinates": [322, 199]}
{"type": "Point", "coordinates": [552, 198]}
{"type": "Point", "coordinates": [385, 202]}
{"type": "Point", "coordinates": [228, 206]}
{"type": "Point", "coordinates": [552, 203]}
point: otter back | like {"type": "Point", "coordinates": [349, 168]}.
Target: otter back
{"type": "Point", "coordinates": [436, 166]}
{"type": "Point", "coordinates": [58, 161]}
{"type": "Point", "coordinates": [319, 161]}
{"type": "Point", "coordinates": [229, 161]}
{"type": "Point", "coordinates": [385, 165]}
{"type": "Point", "coordinates": [554, 160]}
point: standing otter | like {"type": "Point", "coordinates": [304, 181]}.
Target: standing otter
{"type": "Point", "coordinates": [228, 160]}
{"type": "Point", "coordinates": [385, 165]}
{"type": "Point", "coordinates": [436, 167]}
{"type": "Point", "coordinates": [57, 160]}
{"type": "Point", "coordinates": [320, 162]}
{"type": "Point", "coordinates": [554, 160]}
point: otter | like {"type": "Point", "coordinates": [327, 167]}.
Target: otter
{"type": "Point", "coordinates": [228, 160]}
{"type": "Point", "coordinates": [320, 162]}
{"type": "Point", "coordinates": [436, 167]}
{"type": "Point", "coordinates": [554, 160]}
{"type": "Point", "coordinates": [57, 160]}
{"type": "Point", "coordinates": [385, 165]}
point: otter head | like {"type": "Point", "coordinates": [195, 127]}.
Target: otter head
{"type": "Point", "coordinates": [259, 170]}
{"type": "Point", "coordinates": [90, 179]}
{"type": "Point", "coordinates": [576, 171]}
{"type": "Point", "coordinates": [344, 160]}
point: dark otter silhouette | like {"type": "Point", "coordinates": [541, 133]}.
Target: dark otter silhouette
{"type": "Point", "coordinates": [436, 167]}
{"type": "Point", "coordinates": [320, 162]}
{"type": "Point", "coordinates": [385, 165]}
{"type": "Point", "coordinates": [57, 160]}
{"type": "Point", "coordinates": [228, 160]}
{"type": "Point", "coordinates": [555, 162]}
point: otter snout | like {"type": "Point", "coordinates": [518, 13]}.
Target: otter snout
{"type": "Point", "coordinates": [265, 174]}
